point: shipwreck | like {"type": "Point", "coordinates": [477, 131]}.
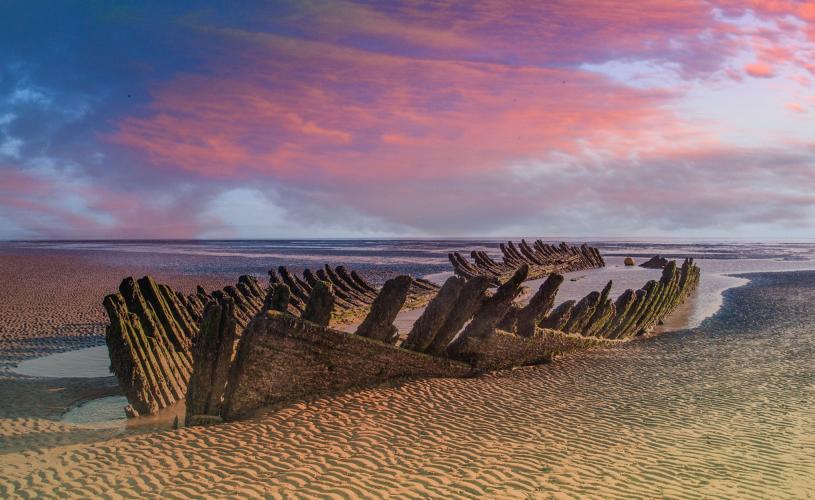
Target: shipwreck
{"type": "Point", "coordinates": [231, 352]}
{"type": "Point", "coordinates": [542, 259]}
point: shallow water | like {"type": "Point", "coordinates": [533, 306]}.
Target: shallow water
{"type": "Point", "coordinates": [104, 412]}
{"type": "Point", "coordinates": [379, 258]}
{"type": "Point", "coordinates": [82, 363]}
{"type": "Point", "coordinates": [92, 362]}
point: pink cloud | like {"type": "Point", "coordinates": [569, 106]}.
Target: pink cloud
{"type": "Point", "coordinates": [318, 113]}
{"type": "Point", "coordinates": [425, 116]}
{"type": "Point", "coordinates": [795, 107]}
{"type": "Point", "coordinates": [46, 206]}
{"type": "Point", "coordinates": [759, 70]}
{"type": "Point", "coordinates": [698, 188]}
{"type": "Point", "coordinates": [29, 199]}
{"type": "Point", "coordinates": [802, 80]}
{"type": "Point", "coordinates": [535, 32]}
{"type": "Point", "coordinates": [789, 38]}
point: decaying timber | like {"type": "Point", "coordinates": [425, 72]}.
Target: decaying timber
{"type": "Point", "coordinates": [151, 332]}
{"type": "Point", "coordinates": [280, 357]}
{"type": "Point", "coordinates": [153, 328]}
{"type": "Point", "coordinates": [378, 324]}
{"type": "Point", "coordinates": [283, 358]}
{"type": "Point", "coordinates": [542, 259]}
{"type": "Point", "coordinates": [353, 294]}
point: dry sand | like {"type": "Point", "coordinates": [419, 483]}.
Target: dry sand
{"type": "Point", "coordinates": [506, 435]}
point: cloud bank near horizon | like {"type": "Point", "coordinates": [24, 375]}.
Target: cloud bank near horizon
{"type": "Point", "coordinates": [343, 119]}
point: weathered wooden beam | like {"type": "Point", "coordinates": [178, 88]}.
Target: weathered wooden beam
{"type": "Point", "coordinates": [212, 355]}
{"type": "Point", "coordinates": [622, 306]}
{"type": "Point", "coordinates": [425, 328]}
{"type": "Point", "coordinates": [320, 304]}
{"type": "Point", "coordinates": [461, 267]}
{"type": "Point", "coordinates": [356, 284]}
{"type": "Point", "coordinates": [557, 319]}
{"type": "Point", "coordinates": [347, 290]}
{"type": "Point", "coordinates": [582, 312]}
{"type": "Point", "coordinates": [469, 301]}
{"type": "Point", "coordinates": [504, 350]}
{"type": "Point", "coordinates": [602, 313]}
{"type": "Point", "coordinates": [625, 326]}
{"type": "Point", "coordinates": [652, 291]}
{"type": "Point", "coordinates": [529, 254]}
{"type": "Point", "coordinates": [378, 324]}
{"type": "Point", "coordinates": [151, 333]}
{"type": "Point", "coordinates": [361, 281]}
{"type": "Point", "coordinates": [278, 298]}
{"type": "Point", "coordinates": [340, 302]}
{"type": "Point", "coordinates": [484, 262]}
{"type": "Point", "coordinates": [491, 312]}
{"type": "Point", "coordinates": [539, 305]}
{"type": "Point", "coordinates": [509, 257]}
{"type": "Point", "coordinates": [296, 289]}
{"type": "Point", "coordinates": [542, 258]}
{"type": "Point", "coordinates": [353, 303]}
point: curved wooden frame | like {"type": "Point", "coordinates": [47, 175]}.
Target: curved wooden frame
{"type": "Point", "coordinates": [542, 259]}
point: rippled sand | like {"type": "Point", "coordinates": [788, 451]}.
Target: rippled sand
{"type": "Point", "coordinates": [52, 301]}
{"type": "Point", "coordinates": [727, 410]}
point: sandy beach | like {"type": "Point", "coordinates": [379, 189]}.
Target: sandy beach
{"type": "Point", "coordinates": [707, 412]}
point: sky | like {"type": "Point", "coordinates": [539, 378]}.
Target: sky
{"type": "Point", "coordinates": [323, 119]}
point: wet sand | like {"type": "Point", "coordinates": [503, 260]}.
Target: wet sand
{"type": "Point", "coordinates": [52, 303]}
{"type": "Point", "coordinates": [726, 410]}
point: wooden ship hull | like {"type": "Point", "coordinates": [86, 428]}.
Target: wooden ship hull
{"type": "Point", "coordinates": [153, 328]}
{"type": "Point", "coordinates": [252, 346]}
{"type": "Point", "coordinates": [542, 259]}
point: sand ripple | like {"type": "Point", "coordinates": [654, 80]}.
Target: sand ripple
{"type": "Point", "coordinates": [727, 411]}
{"type": "Point", "coordinates": [54, 303]}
